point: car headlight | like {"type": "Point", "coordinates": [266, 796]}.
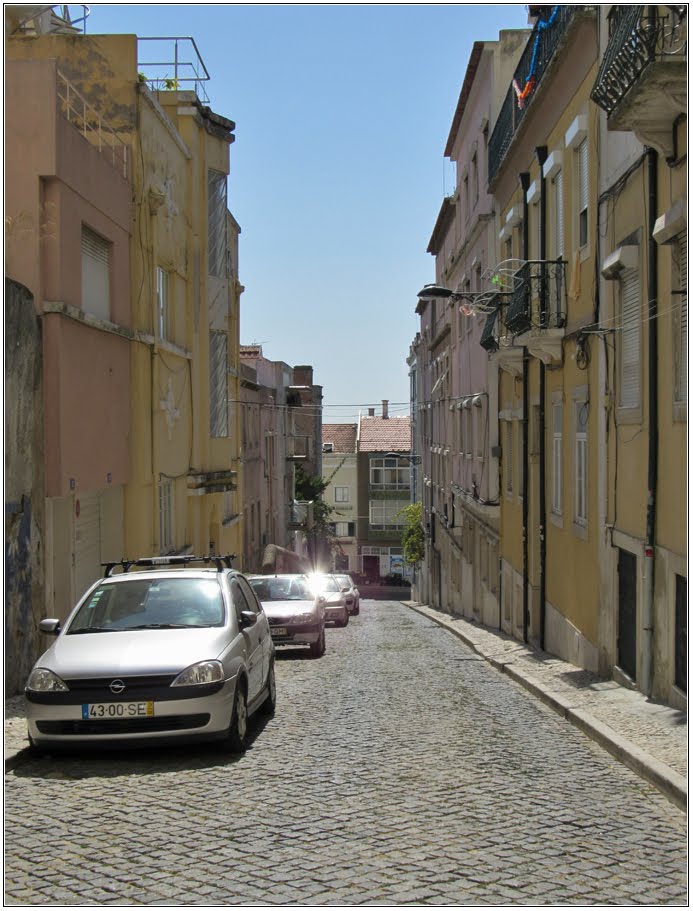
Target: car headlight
{"type": "Point", "coordinates": [41, 680]}
{"type": "Point", "coordinates": [202, 672]}
{"type": "Point", "coordinates": [305, 617]}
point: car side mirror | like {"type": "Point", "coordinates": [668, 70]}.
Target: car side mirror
{"type": "Point", "coordinates": [346, 589]}
{"type": "Point", "coordinates": [248, 618]}
{"type": "Point", "coordinates": [50, 626]}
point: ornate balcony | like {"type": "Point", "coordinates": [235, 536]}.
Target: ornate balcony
{"type": "Point", "coordinates": [642, 81]}
{"type": "Point", "coordinates": [537, 309]}
{"type": "Point", "coordinates": [492, 327]}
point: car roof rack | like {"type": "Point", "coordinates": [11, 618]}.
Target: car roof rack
{"type": "Point", "coordinates": [221, 561]}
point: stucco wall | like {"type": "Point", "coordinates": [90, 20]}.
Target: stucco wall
{"type": "Point", "coordinates": [24, 489]}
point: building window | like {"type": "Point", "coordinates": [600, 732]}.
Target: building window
{"type": "Point", "coordinates": [344, 529]}
{"type": "Point", "coordinates": [580, 504]}
{"type": "Point", "coordinates": [583, 191]}
{"type": "Point", "coordinates": [165, 517]}
{"type": "Point", "coordinates": [389, 474]}
{"type": "Point", "coordinates": [216, 223]}
{"type": "Point", "coordinates": [341, 494]}
{"type": "Point", "coordinates": [479, 435]}
{"type": "Point", "coordinates": [557, 459]}
{"type": "Point", "coordinates": [680, 306]}
{"type": "Point", "coordinates": [218, 385]}
{"type": "Point", "coordinates": [96, 274]}
{"type": "Point", "coordinates": [559, 227]}
{"type": "Point", "coordinates": [629, 362]}
{"type": "Point", "coordinates": [467, 205]}
{"type": "Point", "coordinates": [387, 514]}
{"type": "Point", "coordinates": [508, 458]}
{"type": "Point", "coordinates": [468, 442]}
{"type": "Point", "coordinates": [475, 180]}
{"type": "Point", "coordinates": [163, 302]}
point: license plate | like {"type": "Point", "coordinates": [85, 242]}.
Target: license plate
{"type": "Point", "coordinates": [93, 710]}
{"type": "Point", "coordinates": [280, 631]}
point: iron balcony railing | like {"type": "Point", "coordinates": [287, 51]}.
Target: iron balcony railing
{"type": "Point", "coordinates": [491, 330]}
{"type": "Point", "coordinates": [547, 35]}
{"type": "Point", "coordinates": [539, 297]}
{"type": "Point", "coordinates": [637, 38]}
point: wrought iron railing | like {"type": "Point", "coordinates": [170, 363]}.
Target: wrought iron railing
{"type": "Point", "coordinates": [82, 115]}
{"type": "Point", "coordinates": [637, 39]}
{"type": "Point", "coordinates": [491, 330]}
{"type": "Point", "coordinates": [539, 297]}
{"type": "Point", "coordinates": [547, 35]}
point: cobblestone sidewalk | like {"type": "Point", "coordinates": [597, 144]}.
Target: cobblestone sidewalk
{"type": "Point", "coordinates": [649, 737]}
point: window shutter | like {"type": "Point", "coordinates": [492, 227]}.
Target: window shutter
{"type": "Point", "coordinates": [218, 385]}
{"type": "Point", "coordinates": [682, 346]}
{"type": "Point", "coordinates": [560, 232]}
{"type": "Point", "coordinates": [630, 338]}
{"type": "Point", "coordinates": [583, 176]}
{"type": "Point", "coordinates": [95, 274]}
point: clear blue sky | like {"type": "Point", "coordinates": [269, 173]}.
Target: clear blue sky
{"type": "Point", "coordinates": [337, 172]}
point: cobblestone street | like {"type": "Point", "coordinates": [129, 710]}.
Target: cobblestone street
{"type": "Point", "coordinates": [400, 768]}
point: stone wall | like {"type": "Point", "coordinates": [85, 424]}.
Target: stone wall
{"type": "Point", "coordinates": [24, 486]}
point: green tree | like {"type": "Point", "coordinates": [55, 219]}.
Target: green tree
{"type": "Point", "coordinates": [322, 540]}
{"type": "Point", "coordinates": [413, 537]}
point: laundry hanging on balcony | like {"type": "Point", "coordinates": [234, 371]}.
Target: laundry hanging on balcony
{"type": "Point", "coordinates": [531, 81]}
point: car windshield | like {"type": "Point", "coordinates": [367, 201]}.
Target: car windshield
{"type": "Point", "coordinates": [281, 588]}
{"type": "Point", "coordinates": [324, 584]}
{"type": "Point", "coordinates": [133, 604]}
{"type": "Point", "coordinates": [344, 581]}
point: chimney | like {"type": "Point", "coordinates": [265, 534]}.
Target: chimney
{"type": "Point", "coordinates": [371, 412]}
{"type": "Point", "coordinates": [385, 414]}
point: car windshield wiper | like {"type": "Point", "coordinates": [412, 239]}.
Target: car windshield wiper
{"type": "Point", "coordinates": [165, 626]}
{"type": "Point", "coordinates": [91, 629]}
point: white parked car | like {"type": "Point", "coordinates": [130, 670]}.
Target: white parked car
{"type": "Point", "coordinates": [334, 597]}
{"type": "Point", "coordinates": [295, 615]}
{"type": "Point", "coordinates": [353, 596]}
{"type": "Point", "coordinates": [166, 654]}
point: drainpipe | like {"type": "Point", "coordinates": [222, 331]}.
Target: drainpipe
{"type": "Point", "coordinates": [653, 437]}
{"type": "Point", "coordinates": [524, 182]}
{"type": "Point", "coordinates": [542, 154]}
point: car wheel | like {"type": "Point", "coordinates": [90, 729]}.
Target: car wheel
{"type": "Point", "coordinates": [235, 741]}
{"type": "Point", "coordinates": [270, 703]}
{"type": "Point", "coordinates": [345, 621]}
{"type": "Point", "coordinates": [317, 649]}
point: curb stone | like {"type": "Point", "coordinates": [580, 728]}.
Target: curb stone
{"type": "Point", "coordinates": [668, 782]}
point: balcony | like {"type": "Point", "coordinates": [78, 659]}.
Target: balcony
{"type": "Point", "coordinates": [492, 327]}
{"type": "Point", "coordinates": [300, 515]}
{"type": "Point", "coordinates": [547, 36]}
{"type": "Point", "coordinates": [642, 81]}
{"type": "Point", "coordinates": [537, 309]}
{"type": "Point", "coordinates": [298, 448]}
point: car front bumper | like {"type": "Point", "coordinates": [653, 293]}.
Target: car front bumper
{"type": "Point", "coordinates": [121, 722]}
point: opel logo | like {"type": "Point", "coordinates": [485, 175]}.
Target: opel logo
{"type": "Point", "coordinates": [116, 686]}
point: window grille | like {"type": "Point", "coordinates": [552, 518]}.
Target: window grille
{"type": "Point", "coordinates": [557, 461]}
{"type": "Point", "coordinates": [560, 223]}
{"type": "Point", "coordinates": [680, 250]}
{"type": "Point", "coordinates": [162, 281]}
{"type": "Point", "coordinates": [581, 412]}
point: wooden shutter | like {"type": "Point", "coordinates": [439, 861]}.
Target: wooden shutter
{"type": "Point", "coordinates": [630, 338]}
{"type": "Point", "coordinates": [218, 384]}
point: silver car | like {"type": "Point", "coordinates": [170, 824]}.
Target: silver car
{"type": "Point", "coordinates": [334, 597]}
{"type": "Point", "coordinates": [353, 597]}
{"type": "Point", "coordinates": [295, 615]}
{"type": "Point", "coordinates": [162, 655]}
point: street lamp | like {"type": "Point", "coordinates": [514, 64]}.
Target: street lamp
{"type": "Point", "coordinates": [415, 460]}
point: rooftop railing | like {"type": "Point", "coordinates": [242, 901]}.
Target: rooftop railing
{"type": "Point", "coordinates": [77, 111]}
{"type": "Point", "coordinates": [178, 66]}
